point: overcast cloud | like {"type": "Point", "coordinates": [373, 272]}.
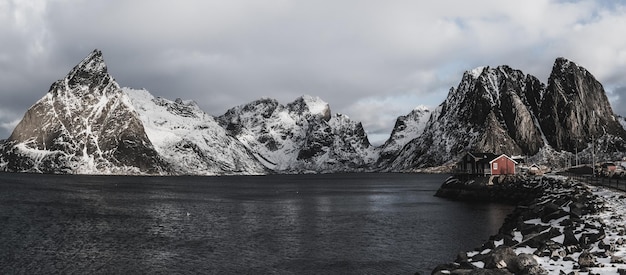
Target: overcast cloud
{"type": "Point", "coordinates": [371, 60]}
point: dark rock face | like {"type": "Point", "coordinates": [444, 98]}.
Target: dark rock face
{"type": "Point", "coordinates": [318, 140]}
{"type": "Point", "coordinates": [575, 108]}
{"type": "Point", "coordinates": [492, 110]}
{"type": "Point", "coordinates": [83, 124]}
{"type": "Point", "coordinates": [502, 110]}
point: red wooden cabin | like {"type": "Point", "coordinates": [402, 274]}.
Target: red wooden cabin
{"type": "Point", "coordinates": [502, 165]}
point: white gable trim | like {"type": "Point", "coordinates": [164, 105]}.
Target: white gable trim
{"type": "Point", "coordinates": [503, 155]}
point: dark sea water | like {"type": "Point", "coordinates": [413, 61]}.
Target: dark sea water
{"type": "Point", "coordinates": [287, 224]}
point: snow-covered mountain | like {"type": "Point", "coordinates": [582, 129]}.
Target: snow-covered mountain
{"type": "Point", "coordinates": [190, 140]}
{"type": "Point", "coordinates": [301, 136]}
{"type": "Point", "coordinates": [489, 111]}
{"type": "Point", "coordinates": [84, 124]}
{"type": "Point", "coordinates": [502, 110]}
{"type": "Point", "coordinates": [88, 124]}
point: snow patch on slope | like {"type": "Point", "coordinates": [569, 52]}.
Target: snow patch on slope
{"type": "Point", "coordinates": [189, 139]}
{"type": "Point", "coordinates": [316, 105]}
{"type": "Point", "coordinates": [476, 72]}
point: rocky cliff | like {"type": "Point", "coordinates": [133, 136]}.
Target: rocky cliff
{"type": "Point", "coordinates": [84, 124]}
{"type": "Point", "coordinates": [503, 110]}
{"type": "Point", "coordinates": [491, 110]}
{"type": "Point", "coordinates": [575, 109]}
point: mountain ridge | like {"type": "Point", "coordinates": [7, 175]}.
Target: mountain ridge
{"type": "Point", "coordinates": [88, 124]}
{"type": "Point", "coordinates": [503, 110]}
{"type": "Point", "coordinates": [300, 136]}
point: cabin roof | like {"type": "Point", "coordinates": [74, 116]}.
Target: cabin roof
{"type": "Point", "coordinates": [482, 156]}
{"type": "Point", "coordinates": [503, 155]}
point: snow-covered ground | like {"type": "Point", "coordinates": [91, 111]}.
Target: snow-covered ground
{"type": "Point", "coordinates": [573, 228]}
{"type": "Point", "coordinates": [613, 217]}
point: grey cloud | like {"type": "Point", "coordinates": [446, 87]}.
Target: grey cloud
{"type": "Point", "coordinates": [350, 53]}
{"type": "Point", "coordinates": [618, 100]}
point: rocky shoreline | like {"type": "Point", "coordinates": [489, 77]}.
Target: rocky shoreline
{"type": "Point", "coordinates": [509, 190]}
{"type": "Point", "coordinates": [567, 228]}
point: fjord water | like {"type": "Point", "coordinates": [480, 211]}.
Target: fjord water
{"type": "Point", "coordinates": [280, 224]}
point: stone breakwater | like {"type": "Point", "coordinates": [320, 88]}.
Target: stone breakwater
{"type": "Point", "coordinates": [570, 228]}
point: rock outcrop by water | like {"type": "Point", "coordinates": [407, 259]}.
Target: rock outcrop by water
{"type": "Point", "coordinates": [509, 189]}
{"type": "Point", "coordinates": [559, 231]}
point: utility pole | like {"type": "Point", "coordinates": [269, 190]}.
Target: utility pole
{"type": "Point", "coordinates": [593, 145]}
{"type": "Point", "coordinates": [593, 155]}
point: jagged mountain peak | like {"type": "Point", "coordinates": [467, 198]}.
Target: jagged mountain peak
{"type": "Point", "coordinates": [314, 105]}
{"type": "Point", "coordinates": [299, 136]}
{"type": "Point", "coordinates": [84, 124]}
{"type": "Point", "coordinates": [562, 62]}
{"type": "Point", "coordinates": [264, 100]}
{"type": "Point", "coordinates": [490, 110]}
{"type": "Point", "coordinates": [304, 104]}
{"type": "Point", "coordinates": [93, 62]}
{"type": "Point", "coordinates": [565, 67]}
{"type": "Point", "coordinates": [421, 109]}
{"type": "Point", "coordinates": [485, 71]}
{"type": "Point", "coordinates": [476, 72]}
{"type": "Point", "coordinates": [503, 110]}
{"type": "Point", "coordinates": [575, 107]}
{"type": "Point", "coordinates": [91, 70]}
{"type": "Point", "coordinates": [265, 106]}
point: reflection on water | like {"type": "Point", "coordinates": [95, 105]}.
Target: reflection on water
{"type": "Point", "coordinates": [303, 224]}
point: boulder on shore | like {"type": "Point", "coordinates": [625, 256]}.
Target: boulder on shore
{"type": "Point", "coordinates": [554, 225]}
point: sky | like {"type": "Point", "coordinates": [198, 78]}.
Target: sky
{"type": "Point", "coordinates": [370, 60]}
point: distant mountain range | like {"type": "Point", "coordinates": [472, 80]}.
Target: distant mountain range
{"type": "Point", "coordinates": [88, 124]}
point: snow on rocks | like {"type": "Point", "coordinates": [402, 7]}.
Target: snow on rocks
{"type": "Point", "coordinates": [406, 128]}
{"type": "Point", "coordinates": [571, 229]}
{"type": "Point", "coordinates": [190, 140]}
{"type": "Point", "coordinates": [300, 137]}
